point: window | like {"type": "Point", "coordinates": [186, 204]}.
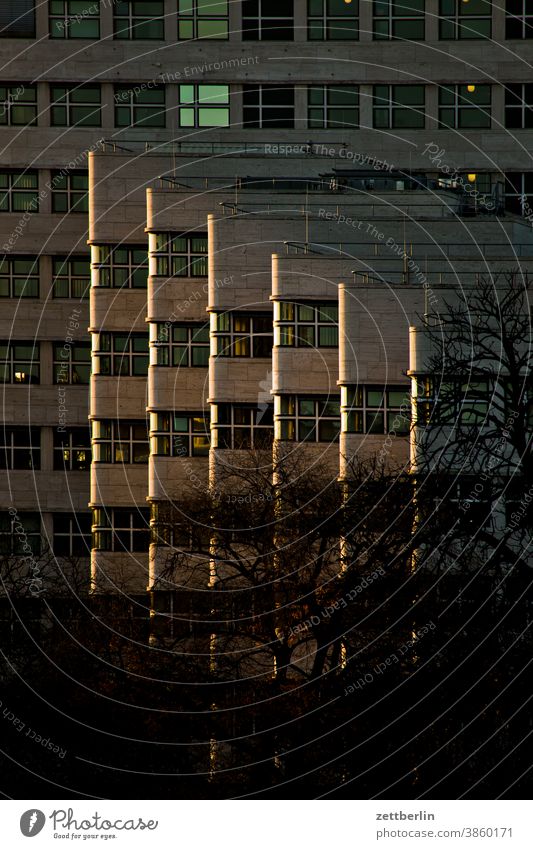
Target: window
{"type": "Point", "coordinates": [120, 266]}
{"type": "Point", "coordinates": [451, 402]}
{"type": "Point", "coordinates": [202, 19]}
{"type": "Point", "coordinates": [19, 191]}
{"type": "Point", "coordinates": [519, 106]}
{"type": "Point", "coordinates": [71, 277]}
{"type": "Point", "coordinates": [376, 409]}
{"type": "Point", "coordinates": [203, 105]}
{"type": "Point", "coordinates": [19, 532]}
{"type": "Point", "coordinates": [519, 192]}
{"type": "Point", "coordinates": [72, 534]}
{"type": "Point", "coordinates": [120, 441]}
{"type": "Point", "coordinates": [121, 354]}
{"type": "Point", "coordinates": [19, 277]}
{"type": "Point", "coordinates": [333, 107]}
{"type": "Point", "coordinates": [20, 447]}
{"type": "Point", "coordinates": [140, 107]}
{"type": "Point", "coordinates": [72, 362]}
{"type": "Point", "coordinates": [179, 434]}
{"type": "Point", "coordinates": [76, 106]}
{"type": "Point", "coordinates": [242, 335]}
{"type": "Point", "coordinates": [403, 20]}
{"type": "Point", "coordinates": [74, 18]}
{"type": "Point", "coordinates": [268, 106]}
{"type": "Point", "coordinates": [70, 192]}
{"type": "Point", "coordinates": [116, 529]}
{"type": "Point", "coordinates": [519, 19]}
{"type": "Point", "coordinates": [19, 105]}
{"type": "Point", "coordinates": [241, 426]}
{"type": "Point", "coordinates": [181, 345]}
{"type": "Point", "coordinates": [19, 362]}
{"type": "Point", "coordinates": [306, 325]}
{"type": "Point", "coordinates": [17, 19]}
{"type": "Point", "coordinates": [72, 449]}
{"type": "Point", "coordinates": [180, 255]}
{"type": "Point", "coordinates": [267, 20]}
{"type": "Point", "coordinates": [307, 419]}
{"type": "Point", "coordinates": [139, 20]}
{"type": "Point", "coordinates": [399, 106]}
{"type": "Point", "coordinates": [332, 20]}
{"type": "Point", "coordinates": [461, 20]}
{"type": "Point", "coordinates": [463, 109]}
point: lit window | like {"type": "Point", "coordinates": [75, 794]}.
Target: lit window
{"type": "Point", "coordinates": [72, 362]}
{"type": "Point", "coordinates": [399, 106]}
{"type": "Point", "coordinates": [203, 105]}
{"type": "Point", "coordinates": [268, 106]}
{"type": "Point", "coordinates": [19, 277]}
{"type": "Point", "coordinates": [375, 409]}
{"type": "Point", "coordinates": [76, 106]}
{"type": "Point", "coordinates": [118, 529]}
{"type": "Point", "coordinates": [120, 441]}
{"type": "Point", "coordinates": [332, 20]}
{"type": "Point", "coordinates": [72, 534]}
{"type": "Point", "coordinates": [307, 325]}
{"type": "Point", "coordinates": [70, 192]}
{"type": "Point", "coordinates": [463, 109]}
{"type": "Point", "coordinates": [307, 419]}
{"type": "Point", "coordinates": [20, 447]}
{"type": "Point", "coordinates": [399, 20]}
{"type": "Point", "coordinates": [180, 255]}
{"type": "Point", "coordinates": [202, 19]}
{"type": "Point", "coordinates": [121, 354]}
{"type": "Point", "coordinates": [139, 20]}
{"type": "Point", "coordinates": [179, 434]}
{"type": "Point", "coordinates": [267, 20]}
{"type": "Point", "coordinates": [71, 277]}
{"type": "Point", "coordinates": [18, 105]}
{"type": "Point", "coordinates": [242, 426]}
{"type": "Point", "coordinates": [136, 106]}
{"type": "Point", "coordinates": [242, 335]}
{"type": "Point", "coordinates": [72, 449]}
{"type": "Point", "coordinates": [120, 266]}
{"type": "Point", "coordinates": [74, 18]}
{"type": "Point", "coordinates": [465, 20]}
{"type": "Point", "coordinates": [19, 362]}
{"type": "Point", "coordinates": [180, 345]}
{"type": "Point", "coordinates": [19, 191]}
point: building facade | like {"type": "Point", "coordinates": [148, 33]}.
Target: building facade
{"type": "Point", "coordinates": [220, 221]}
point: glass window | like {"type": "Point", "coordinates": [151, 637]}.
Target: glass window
{"type": "Point", "coordinates": [180, 255]}
{"type": "Point", "coordinates": [119, 529]}
{"type": "Point", "coordinates": [20, 531]}
{"type": "Point", "coordinates": [307, 419]}
{"type": "Point", "coordinates": [74, 18]}
{"type": "Point", "coordinates": [519, 192]}
{"type": "Point", "coordinates": [306, 325]}
{"type": "Point", "coordinates": [20, 447]}
{"type": "Point", "coordinates": [376, 409]}
{"type": "Point", "coordinates": [465, 20]}
{"type": "Point", "coordinates": [399, 106]}
{"type": "Point", "coordinates": [118, 266]}
{"type": "Point", "coordinates": [519, 106]}
{"type": "Point", "coordinates": [121, 354]}
{"type": "Point", "coordinates": [71, 277]}
{"type": "Point", "coordinates": [267, 20]}
{"type": "Point", "coordinates": [242, 334]}
{"type": "Point", "coordinates": [120, 441]}
{"type": "Point", "coordinates": [19, 191]}
{"type": "Point", "coordinates": [394, 19]}
{"type": "Point", "coordinates": [179, 434]}
{"type": "Point", "coordinates": [139, 20]}
{"type": "Point", "coordinates": [332, 20]}
{"type": "Point", "coordinates": [19, 277]}
{"type": "Point", "coordinates": [180, 345]}
{"type": "Point", "coordinates": [518, 19]}
{"type": "Point", "coordinates": [242, 426]}
{"type": "Point", "coordinates": [140, 106]}
{"type": "Point", "coordinates": [465, 106]}
{"type": "Point", "coordinates": [268, 106]}
{"type": "Point", "coordinates": [72, 534]}
{"type": "Point", "coordinates": [19, 362]}
{"type": "Point", "coordinates": [333, 107]}
{"type": "Point", "coordinates": [18, 104]}
{"type": "Point", "coordinates": [17, 19]}
{"type": "Point", "coordinates": [72, 362]}
{"type": "Point", "coordinates": [70, 192]}
{"type": "Point", "coordinates": [75, 106]}
{"type": "Point", "coordinates": [202, 105]}
{"type": "Point", "coordinates": [72, 449]}
{"type": "Point", "coordinates": [202, 19]}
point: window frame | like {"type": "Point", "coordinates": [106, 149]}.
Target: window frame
{"type": "Point", "coordinates": [254, 425]}
{"type": "Point", "coordinates": [133, 105]}
{"type": "Point", "coordinates": [326, 21]}
{"type": "Point", "coordinates": [449, 404]}
{"type": "Point", "coordinates": [11, 362]}
{"type": "Point", "coordinates": [135, 22]}
{"type": "Point", "coordinates": [230, 341]}
{"type": "Point", "coordinates": [12, 192]}
{"type": "Point", "coordinates": [283, 418]}
{"type": "Point", "coordinates": [13, 278]}
{"type": "Point", "coordinates": [11, 94]}
{"type": "Point", "coordinates": [70, 280]}
{"type": "Point", "coordinates": [284, 326]}
{"type": "Point", "coordinates": [163, 254]}
{"type": "Point", "coordinates": [73, 535]}
{"type": "Point", "coordinates": [105, 530]}
{"type": "Point", "coordinates": [391, 107]}
{"type": "Point", "coordinates": [195, 104]}
{"type": "Point", "coordinates": [77, 199]}
{"type": "Point", "coordinates": [164, 345]}
{"type": "Point", "coordinates": [106, 434]}
{"type": "Point", "coordinates": [394, 22]}
{"type": "Point", "coordinates": [65, 442]}
{"type": "Point", "coordinates": [195, 19]}
{"type": "Point", "coordinates": [458, 21]}
{"type": "Point", "coordinates": [356, 406]}
{"type": "Point", "coordinates": [326, 108]}
{"type": "Point", "coordinates": [68, 103]}
{"type": "Point", "coordinates": [460, 106]}
{"type": "Point", "coordinates": [259, 26]}
{"type": "Point", "coordinates": [128, 355]}
{"type": "Point", "coordinates": [522, 21]}
{"type": "Point", "coordinates": [256, 115]}
{"type": "Point", "coordinates": [194, 440]}
{"type": "Point", "coordinates": [70, 20]}
{"type": "Point", "coordinates": [29, 538]}
{"type": "Point", "coordinates": [66, 364]}
{"type": "Point", "coordinates": [522, 105]}
{"type": "Point", "coordinates": [11, 451]}
{"type": "Point", "coordinates": [104, 264]}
